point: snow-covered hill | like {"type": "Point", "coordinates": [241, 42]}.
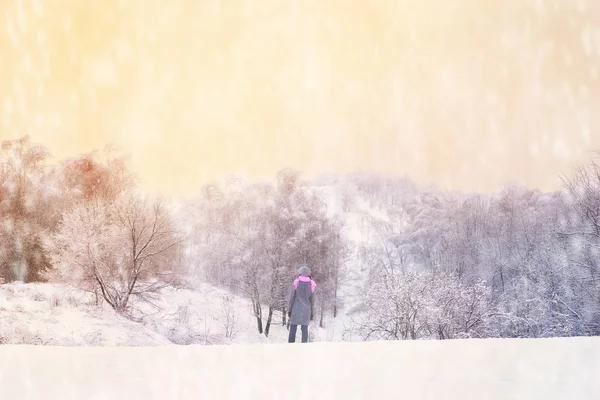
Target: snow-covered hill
{"type": "Point", "coordinates": [54, 314]}
{"type": "Point", "coordinates": [531, 369]}
{"type": "Point", "coordinates": [45, 314]}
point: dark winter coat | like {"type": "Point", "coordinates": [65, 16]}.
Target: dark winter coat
{"type": "Point", "coordinates": [301, 303]}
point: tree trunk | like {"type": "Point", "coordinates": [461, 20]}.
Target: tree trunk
{"type": "Point", "coordinates": [259, 323]}
{"type": "Point", "coordinates": [98, 297]}
{"type": "Point", "coordinates": [258, 314]}
{"type": "Point", "coordinates": [274, 286]}
{"type": "Point", "coordinates": [321, 319]}
{"type": "Point", "coordinates": [284, 317]}
{"type": "Point", "coordinates": [268, 324]}
{"type": "Point", "coordinates": [335, 290]}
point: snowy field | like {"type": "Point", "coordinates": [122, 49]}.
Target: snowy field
{"type": "Point", "coordinates": [544, 369]}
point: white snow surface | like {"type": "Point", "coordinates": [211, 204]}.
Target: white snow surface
{"type": "Point", "coordinates": [544, 369]}
{"type": "Point", "coordinates": [45, 314]}
{"type": "Point", "coordinates": [61, 315]}
{"type": "Point", "coordinates": [91, 352]}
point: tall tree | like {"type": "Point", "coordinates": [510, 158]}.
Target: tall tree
{"type": "Point", "coordinates": [29, 209]}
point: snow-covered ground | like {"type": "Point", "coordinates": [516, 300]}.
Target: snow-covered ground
{"type": "Point", "coordinates": [54, 314]}
{"type": "Point", "coordinates": [109, 361]}
{"type": "Point", "coordinates": [44, 314]}
{"type": "Point", "coordinates": [544, 369]}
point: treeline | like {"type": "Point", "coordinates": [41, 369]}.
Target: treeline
{"type": "Point", "coordinates": [518, 263]}
{"type": "Point", "coordinates": [427, 264]}
{"type": "Point", "coordinates": [83, 221]}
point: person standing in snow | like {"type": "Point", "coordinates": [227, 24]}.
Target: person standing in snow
{"type": "Point", "coordinates": [301, 304]}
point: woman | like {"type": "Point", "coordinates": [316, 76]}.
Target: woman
{"type": "Point", "coordinates": [301, 304]}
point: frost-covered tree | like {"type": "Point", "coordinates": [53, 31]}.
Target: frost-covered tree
{"type": "Point", "coordinates": [526, 246]}
{"type": "Point", "coordinates": [413, 304]}
{"type": "Point", "coordinates": [254, 238]}
{"type": "Point", "coordinates": [35, 193]}
{"type": "Point", "coordinates": [95, 175]}
{"type": "Point", "coordinates": [330, 252]}
{"type": "Point", "coordinates": [225, 243]}
{"type": "Point", "coordinates": [117, 248]}
{"type": "Point", "coordinates": [29, 206]}
{"type": "Point", "coordinates": [583, 234]}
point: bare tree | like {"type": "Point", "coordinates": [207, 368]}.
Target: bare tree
{"type": "Point", "coordinates": [117, 248]}
{"type": "Point", "coordinates": [227, 319]}
{"type": "Point", "coordinates": [253, 238]}
{"type": "Point", "coordinates": [584, 236]}
{"type": "Point", "coordinates": [422, 304]}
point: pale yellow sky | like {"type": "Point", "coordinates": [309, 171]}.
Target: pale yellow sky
{"type": "Point", "coordinates": [469, 94]}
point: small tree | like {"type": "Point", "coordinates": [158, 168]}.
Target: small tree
{"type": "Point", "coordinates": [116, 248]}
{"type": "Point", "coordinates": [227, 319]}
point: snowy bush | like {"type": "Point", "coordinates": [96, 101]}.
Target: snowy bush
{"type": "Point", "coordinates": [421, 304]}
{"type": "Point", "coordinates": [227, 318]}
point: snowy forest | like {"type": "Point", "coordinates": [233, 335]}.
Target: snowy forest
{"type": "Point", "coordinates": [395, 258]}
